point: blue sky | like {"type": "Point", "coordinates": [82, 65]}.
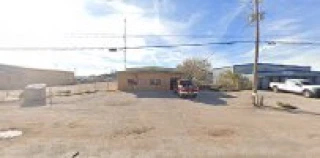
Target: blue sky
{"type": "Point", "coordinates": [75, 23]}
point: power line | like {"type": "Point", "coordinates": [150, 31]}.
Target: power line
{"type": "Point", "coordinates": [200, 36]}
{"type": "Point", "coordinates": [51, 48]}
{"type": "Point", "coordinates": [105, 35]}
{"type": "Point", "coordinates": [125, 43]}
{"type": "Point", "coordinates": [271, 42]}
{"type": "Point", "coordinates": [152, 36]}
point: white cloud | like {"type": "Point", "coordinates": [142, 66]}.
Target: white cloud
{"type": "Point", "coordinates": [225, 21]}
{"type": "Point", "coordinates": [287, 54]}
{"type": "Point", "coordinates": [66, 23]}
{"type": "Point", "coordinates": [282, 26]}
{"type": "Point", "coordinates": [307, 57]}
{"type": "Point", "coordinates": [289, 31]}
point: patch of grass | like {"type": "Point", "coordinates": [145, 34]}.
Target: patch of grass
{"type": "Point", "coordinates": [111, 90]}
{"type": "Point", "coordinates": [91, 91]}
{"type": "Point", "coordinates": [87, 92]}
{"type": "Point", "coordinates": [286, 106]}
{"type": "Point", "coordinates": [121, 103]}
{"type": "Point", "coordinates": [64, 93]}
{"type": "Point", "coordinates": [132, 131]}
{"type": "Point", "coordinates": [221, 132]}
{"type": "Point", "coordinates": [74, 124]}
{"type": "Point", "coordinates": [78, 93]}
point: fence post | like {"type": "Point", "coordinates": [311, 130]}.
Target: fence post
{"type": "Point", "coordinates": [50, 96]}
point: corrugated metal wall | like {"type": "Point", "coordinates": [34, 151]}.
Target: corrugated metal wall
{"type": "Point", "coordinates": [12, 77]}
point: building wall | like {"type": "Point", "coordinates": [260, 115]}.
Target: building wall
{"type": "Point", "coordinates": [142, 80]}
{"type": "Point", "coordinates": [216, 72]}
{"type": "Point", "coordinates": [209, 78]}
{"type": "Point", "coordinates": [50, 77]}
{"type": "Point", "coordinates": [318, 80]}
{"type": "Point", "coordinates": [248, 68]}
{"type": "Point", "coordinates": [11, 81]}
{"type": "Point", "coordinates": [12, 77]}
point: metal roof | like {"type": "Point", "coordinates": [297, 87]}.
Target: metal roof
{"type": "Point", "coordinates": [293, 73]}
{"type": "Point", "coordinates": [152, 69]}
{"type": "Point", "coordinates": [17, 69]}
{"type": "Point", "coordinates": [273, 64]}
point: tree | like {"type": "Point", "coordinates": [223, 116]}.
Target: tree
{"type": "Point", "coordinates": [196, 69]}
{"type": "Point", "coordinates": [233, 81]}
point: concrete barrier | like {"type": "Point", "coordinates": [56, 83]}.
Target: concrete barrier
{"type": "Point", "coordinates": [34, 95]}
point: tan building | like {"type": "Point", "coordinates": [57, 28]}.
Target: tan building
{"type": "Point", "coordinates": [147, 78]}
{"type": "Point", "coordinates": [14, 77]}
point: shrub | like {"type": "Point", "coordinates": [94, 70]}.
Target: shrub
{"type": "Point", "coordinates": [286, 105]}
{"type": "Point", "coordinates": [230, 81]}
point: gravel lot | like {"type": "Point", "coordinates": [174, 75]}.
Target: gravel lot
{"type": "Point", "coordinates": [158, 124]}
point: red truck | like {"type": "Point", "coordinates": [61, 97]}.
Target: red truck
{"type": "Point", "coordinates": [186, 88]}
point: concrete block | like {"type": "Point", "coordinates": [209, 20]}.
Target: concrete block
{"type": "Point", "coordinates": [34, 95]}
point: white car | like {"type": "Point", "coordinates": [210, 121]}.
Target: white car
{"type": "Point", "coordinates": [299, 86]}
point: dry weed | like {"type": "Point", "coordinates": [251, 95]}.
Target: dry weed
{"type": "Point", "coordinates": [221, 132]}
{"type": "Point", "coordinates": [127, 131]}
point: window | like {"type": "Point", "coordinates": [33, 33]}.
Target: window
{"type": "Point", "coordinates": [132, 82]}
{"type": "Point", "coordinates": [155, 82]}
{"type": "Point", "coordinates": [306, 83]}
{"type": "Point", "coordinates": [186, 83]}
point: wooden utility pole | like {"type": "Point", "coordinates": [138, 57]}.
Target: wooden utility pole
{"type": "Point", "coordinates": [256, 18]}
{"type": "Point", "coordinates": [125, 44]}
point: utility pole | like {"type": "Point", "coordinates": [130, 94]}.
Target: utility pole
{"type": "Point", "coordinates": [125, 44]}
{"type": "Point", "coordinates": [256, 18]}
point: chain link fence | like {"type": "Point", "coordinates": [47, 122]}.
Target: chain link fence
{"type": "Point", "coordinates": [62, 91]}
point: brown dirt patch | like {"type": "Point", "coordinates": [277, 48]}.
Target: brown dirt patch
{"type": "Point", "coordinates": [222, 132]}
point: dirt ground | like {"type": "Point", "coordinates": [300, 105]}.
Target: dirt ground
{"type": "Point", "coordinates": [158, 124]}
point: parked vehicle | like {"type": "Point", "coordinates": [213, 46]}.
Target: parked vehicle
{"type": "Point", "coordinates": [186, 88]}
{"type": "Point", "coordinates": [299, 86]}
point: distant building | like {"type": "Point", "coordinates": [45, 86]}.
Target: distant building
{"type": "Point", "coordinates": [148, 78]}
{"type": "Point", "coordinates": [270, 73]}
{"type": "Point", "coordinates": [107, 77]}
{"type": "Point", "coordinates": [98, 78]}
{"type": "Point", "coordinates": [14, 77]}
